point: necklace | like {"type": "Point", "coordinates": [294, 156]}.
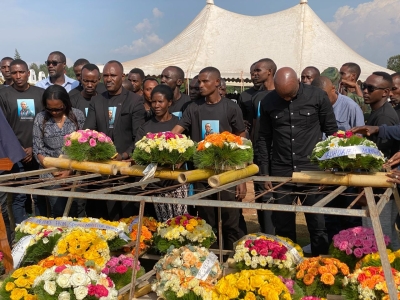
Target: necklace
{"type": "Point", "coordinates": [59, 121]}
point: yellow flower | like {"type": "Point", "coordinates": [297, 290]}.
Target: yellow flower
{"type": "Point", "coordinates": [256, 282]}
{"type": "Point", "coordinates": [18, 273]}
{"type": "Point", "coordinates": [233, 293]}
{"type": "Point", "coordinates": [30, 297]}
{"type": "Point", "coordinates": [189, 227]}
{"type": "Point", "coordinates": [17, 294]}
{"type": "Point", "coordinates": [21, 282]}
{"type": "Point", "coordinates": [250, 296]}
{"type": "Point", "coordinates": [193, 222]}
{"type": "Point", "coordinates": [243, 284]}
{"type": "Point", "coordinates": [10, 286]}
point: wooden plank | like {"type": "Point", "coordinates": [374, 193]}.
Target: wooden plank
{"type": "Point", "coordinates": [324, 201]}
{"type": "Point", "coordinates": [385, 198]}
{"type": "Point", "coordinates": [376, 225]}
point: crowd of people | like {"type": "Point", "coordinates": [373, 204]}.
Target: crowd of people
{"type": "Point", "coordinates": [284, 114]}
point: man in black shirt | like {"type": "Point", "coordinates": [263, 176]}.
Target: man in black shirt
{"type": "Point", "coordinates": [78, 66]}
{"type": "Point", "coordinates": [174, 76]}
{"type": "Point", "coordinates": [20, 103]}
{"type": "Point", "coordinates": [309, 74]}
{"type": "Point", "coordinates": [293, 118]}
{"type": "Point", "coordinates": [264, 71]}
{"type": "Point", "coordinates": [5, 70]}
{"type": "Point", "coordinates": [128, 114]}
{"type": "Point", "coordinates": [89, 79]}
{"type": "Point", "coordinates": [245, 102]}
{"type": "Point", "coordinates": [136, 77]}
{"type": "Point", "coordinates": [224, 115]}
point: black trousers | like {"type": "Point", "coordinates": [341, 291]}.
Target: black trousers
{"type": "Point", "coordinates": [285, 222]}
{"type": "Point", "coordinates": [231, 231]}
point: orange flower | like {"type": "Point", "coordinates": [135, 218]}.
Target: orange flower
{"type": "Point", "coordinates": [323, 269]}
{"type": "Point", "coordinates": [308, 279]}
{"type": "Point", "coordinates": [332, 269]}
{"type": "Point", "coordinates": [328, 278]}
{"type": "Point", "coordinates": [313, 271]}
{"type": "Point", "coordinates": [300, 274]}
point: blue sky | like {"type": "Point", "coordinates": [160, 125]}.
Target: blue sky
{"type": "Point", "coordinates": [126, 29]}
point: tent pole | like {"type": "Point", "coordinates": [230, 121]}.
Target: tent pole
{"type": "Point", "coordinates": [241, 82]}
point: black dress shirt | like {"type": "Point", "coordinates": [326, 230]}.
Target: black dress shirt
{"type": "Point", "coordinates": [294, 128]}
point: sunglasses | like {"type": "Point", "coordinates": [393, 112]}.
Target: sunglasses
{"type": "Point", "coordinates": [370, 88]}
{"type": "Point", "coordinates": [52, 62]}
{"type": "Point", "coordinates": [55, 110]}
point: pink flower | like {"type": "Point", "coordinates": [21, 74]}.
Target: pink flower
{"type": "Point", "coordinates": [112, 262]}
{"type": "Point", "coordinates": [108, 139]}
{"type": "Point", "coordinates": [110, 282]}
{"type": "Point", "coordinates": [150, 136]}
{"type": "Point", "coordinates": [348, 134]}
{"type": "Point", "coordinates": [105, 271]}
{"type": "Point", "coordinates": [82, 139]}
{"type": "Point", "coordinates": [101, 139]}
{"type": "Point", "coordinates": [343, 245]}
{"type": "Point", "coordinates": [1, 256]}
{"type": "Point", "coordinates": [348, 251]}
{"type": "Point", "coordinates": [68, 143]}
{"type": "Point", "coordinates": [121, 269]}
{"type": "Point", "coordinates": [95, 134]}
{"type": "Point", "coordinates": [128, 262]}
{"type": "Point", "coordinates": [358, 252]}
{"type": "Point", "coordinates": [66, 136]}
{"type": "Point", "coordinates": [60, 269]}
{"type": "Point", "coordinates": [97, 291]}
{"type": "Point", "coordinates": [92, 142]}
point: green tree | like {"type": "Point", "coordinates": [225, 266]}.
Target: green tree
{"type": "Point", "coordinates": [43, 68]}
{"type": "Point", "coordinates": [70, 72]}
{"type": "Point", "coordinates": [16, 55]}
{"type": "Point", "coordinates": [34, 67]}
{"type": "Point", "coordinates": [393, 63]}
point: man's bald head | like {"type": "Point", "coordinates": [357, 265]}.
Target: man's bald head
{"type": "Point", "coordinates": [286, 83]}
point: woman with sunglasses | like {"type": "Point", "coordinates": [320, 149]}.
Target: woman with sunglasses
{"type": "Point", "coordinates": [58, 119]}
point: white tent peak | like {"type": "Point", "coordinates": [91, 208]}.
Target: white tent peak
{"type": "Point", "coordinates": [210, 2]}
{"type": "Point", "coordinates": [303, 1]}
{"type": "Point", "coordinates": [232, 42]}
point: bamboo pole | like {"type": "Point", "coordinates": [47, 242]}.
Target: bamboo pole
{"type": "Point", "coordinates": [195, 175]}
{"type": "Point", "coordinates": [86, 166]}
{"type": "Point", "coordinates": [227, 177]}
{"type": "Point", "coordinates": [320, 177]}
{"type": "Point", "coordinates": [137, 170]}
{"type": "Point", "coordinates": [62, 163]}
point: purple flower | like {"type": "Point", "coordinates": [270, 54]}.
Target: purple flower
{"type": "Point", "coordinates": [343, 245]}
{"type": "Point", "coordinates": [358, 252]}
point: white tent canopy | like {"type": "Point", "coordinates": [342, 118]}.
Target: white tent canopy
{"type": "Point", "coordinates": [295, 37]}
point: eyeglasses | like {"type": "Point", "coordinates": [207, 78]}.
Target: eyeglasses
{"type": "Point", "coordinates": [52, 62]}
{"type": "Point", "coordinates": [54, 110]}
{"type": "Point", "coordinates": [370, 88]}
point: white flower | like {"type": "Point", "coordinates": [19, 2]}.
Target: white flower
{"type": "Point", "coordinates": [80, 292]}
{"type": "Point", "coordinates": [48, 274]}
{"type": "Point", "coordinates": [78, 279]}
{"type": "Point", "coordinates": [63, 280]}
{"type": "Point", "coordinates": [64, 296]}
{"type": "Point", "coordinates": [50, 287]}
{"type": "Point", "coordinates": [92, 274]}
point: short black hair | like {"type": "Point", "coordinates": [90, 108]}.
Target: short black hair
{"type": "Point", "coordinates": [118, 63]}
{"type": "Point", "coordinates": [150, 79]}
{"type": "Point", "coordinates": [211, 70]}
{"type": "Point", "coordinates": [137, 71]}
{"type": "Point", "coordinates": [353, 68]}
{"type": "Point", "coordinates": [320, 82]}
{"type": "Point", "coordinates": [164, 90]}
{"type": "Point", "coordinates": [19, 62]}
{"type": "Point", "coordinates": [7, 58]}
{"type": "Point", "coordinates": [60, 54]}
{"type": "Point", "coordinates": [91, 67]}
{"type": "Point", "coordinates": [80, 62]}
{"type": "Point", "coordinates": [386, 77]}
{"type": "Point", "coordinates": [271, 64]}
{"type": "Point", "coordinates": [314, 68]}
{"type": "Point", "coordinates": [179, 71]}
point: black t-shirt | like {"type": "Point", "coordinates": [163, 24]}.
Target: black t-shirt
{"type": "Point", "coordinates": [388, 116]}
{"type": "Point", "coordinates": [155, 126]}
{"type": "Point", "coordinates": [100, 88]}
{"type": "Point", "coordinates": [245, 103]}
{"type": "Point", "coordinates": [397, 109]}
{"type": "Point", "coordinates": [20, 109]}
{"type": "Point", "coordinates": [80, 102]}
{"type": "Point", "coordinates": [201, 119]}
{"type": "Point", "coordinates": [113, 104]}
{"type": "Point", "coordinates": [178, 107]}
{"type": "Point", "coordinates": [256, 102]}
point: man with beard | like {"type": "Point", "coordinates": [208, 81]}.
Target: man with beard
{"type": "Point", "coordinates": [225, 116]}
{"type": "Point", "coordinates": [78, 65]}
{"type": "Point", "coordinates": [309, 74]}
{"type": "Point", "coordinates": [5, 71]}
{"type": "Point", "coordinates": [56, 63]}
{"type": "Point", "coordinates": [245, 102]}
{"type": "Point", "coordinates": [136, 77]}
{"type": "Point", "coordinates": [128, 116]}
{"type": "Point", "coordinates": [11, 102]}
{"type": "Point", "coordinates": [174, 76]}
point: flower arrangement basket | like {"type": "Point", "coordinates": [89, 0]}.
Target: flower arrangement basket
{"type": "Point", "coordinates": [88, 145]}
{"type": "Point", "coordinates": [183, 230]}
{"type": "Point", "coordinates": [261, 251]}
{"type": "Point", "coordinates": [320, 276]}
{"type": "Point", "coordinates": [223, 151]}
{"type": "Point", "coordinates": [347, 152]}
{"type": "Point", "coordinates": [350, 245]}
{"type": "Point", "coordinates": [368, 283]}
{"type": "Point", "coordinates": [187, 273]}
{"type": "Point", "coordinates": [163, 148]}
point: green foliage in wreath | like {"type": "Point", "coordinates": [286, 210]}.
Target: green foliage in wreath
{"type": "Point", "coordinates": [171, 295]}
{"type": "Point", "coordinates": [319, 289]}
{"type": "Point", "coordinates": [352, 162]}
{"type": "Point", "coordinates": [218, 158]}
{"type": "Point", "coordinates": [121, 280]}
{"type": "Point", "coordinates": [19, 235]}
{"type": "Point", "coordinates": [40, 250]}
{"type": "Point", "coordinates": [84, 152]}
{"type": "Point", "coordinates": [116, 244]}
{"type": "Point", "coordinates": [162, 244]}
